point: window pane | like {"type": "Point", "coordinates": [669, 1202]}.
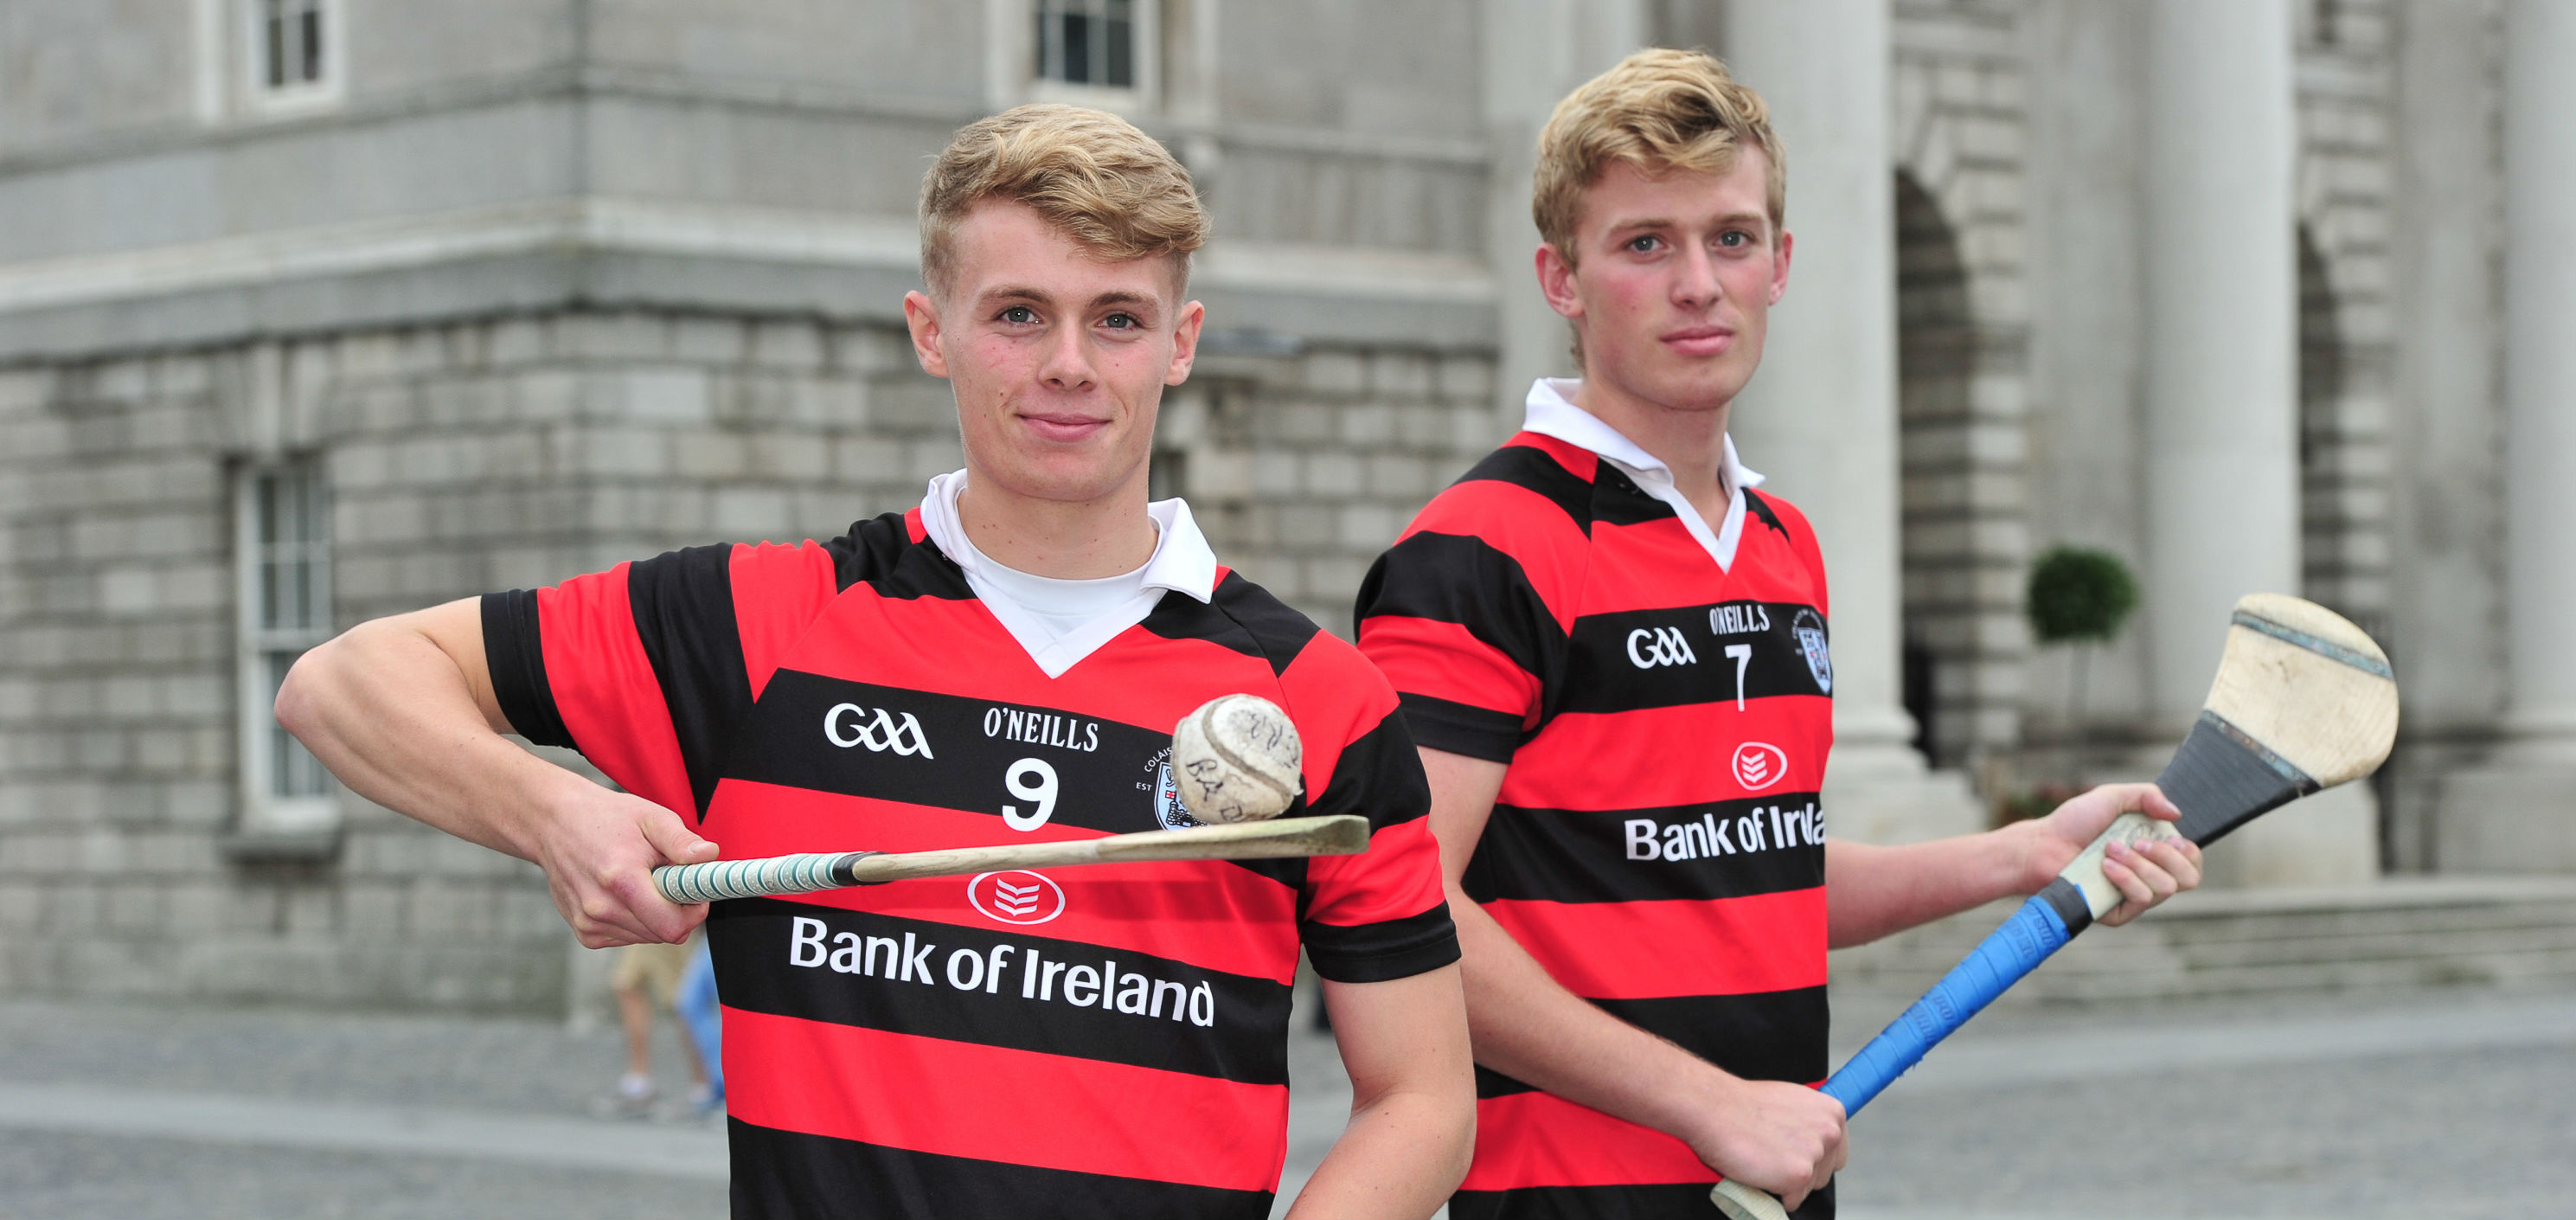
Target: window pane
{"type": "Point", "coordinates": [292, 769]}
{"type": "Point", "coordinates": [313, 40]}
{"type": "Point", "coordinates": [274, 20]}
{"type": "Point", "coordinates": [1077, 48]}
{"type": "Point", "coordinates": [1119, 38]}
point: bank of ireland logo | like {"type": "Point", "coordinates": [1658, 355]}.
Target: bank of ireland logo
{"type": "Point", "coordinates": [1017, 896]}
{"type": "Point", "coordinates": [1809, 627]}
{"type": "Point", "coordinates": [1759, 765]}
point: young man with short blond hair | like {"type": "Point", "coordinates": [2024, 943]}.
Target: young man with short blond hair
{"type": "Point", "coordinates": [1002, 664]}
{"type": "Point", "coordinates": [1615, 655]}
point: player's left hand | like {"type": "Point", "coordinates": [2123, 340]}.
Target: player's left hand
{"type": "Point", "coordinates": [2146, 873]}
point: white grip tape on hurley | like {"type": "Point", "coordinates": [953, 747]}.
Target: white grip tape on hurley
{"type": "Point", "coordinates": [798, 874]}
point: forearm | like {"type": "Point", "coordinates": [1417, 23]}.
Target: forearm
{"type": "Point", "coordinates": [395, 718]}
{"type": "Point", "coordinates": [1527, 1026]}
{"type": "Point", "coordinates": [1402, 1155]}
{"type": "Point", "coordinates": [1874, 891]}
{"type": "Point", "coordinates": [1413, 1099]}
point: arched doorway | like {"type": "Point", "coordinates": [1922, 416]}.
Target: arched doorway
{"type": "Point", "coordinates": [1962, 500]}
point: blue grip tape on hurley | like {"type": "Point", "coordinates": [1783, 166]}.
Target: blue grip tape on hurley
{"type": "Point", "coordinates": [2008, 953]}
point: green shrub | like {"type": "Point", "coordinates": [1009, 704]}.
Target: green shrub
{"type": "Point", "coordinates": [2079, 594]}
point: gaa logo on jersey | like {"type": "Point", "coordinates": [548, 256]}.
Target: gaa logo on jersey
{"type": "Point", "coordinates": [1649, 647]}
{"type": "Point", "coordinates": [847, 726]}
{"type": "Point", "coordinates": [1018, 896]}
{"type": "Point", "coordinates": [1169, 812]}
{"type": "Point", "coordinates": [1758, 765]}
{"type": "Point", "coordinates": [1809, 628]}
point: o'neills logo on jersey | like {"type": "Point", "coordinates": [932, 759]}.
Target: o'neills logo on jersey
{"type": "Point", "coordinates": [1017, 896]}
{"type": "Point", "coordinates": [1809, 627]}
{"type": "Point", "coordinates": [1738, 618]}
{"type": "Point", "coordinates": [1758, 765]}
{"type": "Point", "coordinates": [848, 725]}
{"type": "Point", "coordinates": [1041, 728]}
{"type": "Point", "coordinates": [1650, 647]}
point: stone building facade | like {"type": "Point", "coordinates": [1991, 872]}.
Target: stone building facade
{"type": "Point", "coordinates": [314, 310]}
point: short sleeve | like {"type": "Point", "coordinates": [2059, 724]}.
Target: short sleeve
{"type": "Point", "coordinates": [1380, 914]}
{"type": "Point", "coordinates": [640, 668]}
{"type": "Point", "coordinates": [1456, 617]}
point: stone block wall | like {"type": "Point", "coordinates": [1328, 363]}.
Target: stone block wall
{"type": "Point", "coordinates": [459, 458]}
{"type": "Point", "coordinates": [1960, 128]}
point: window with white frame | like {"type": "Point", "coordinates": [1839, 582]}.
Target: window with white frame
{"type": "Point", "coordinates": [283, 551]}
{"type": "Point", "coordinates": [294, 52]}
{"type": "Point", "coordinates": [1099, 51]}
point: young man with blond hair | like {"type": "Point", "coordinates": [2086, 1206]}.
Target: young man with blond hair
{"type": "Point", "coordinates": [1002, 664]}
{"type": "Point", "coordinates": [1614, 653]}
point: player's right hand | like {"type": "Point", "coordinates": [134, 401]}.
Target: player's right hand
{"type": "Point", "coordinates": [599, 849]}
{"type": "Point", "coordinates": [1785, 1138]}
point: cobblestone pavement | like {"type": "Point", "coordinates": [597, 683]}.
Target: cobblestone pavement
{"type": "Point", "coordinates": [2450, 1104]}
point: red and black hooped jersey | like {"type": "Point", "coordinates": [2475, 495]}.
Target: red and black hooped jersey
{"type": "Point", "coordinates": [1106, 1040]}
{"type": "Point", "coordinates": [1657, 843]}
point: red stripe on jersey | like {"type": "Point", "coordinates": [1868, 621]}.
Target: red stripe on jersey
{"type": "Point", "coordinates": [955, 1099]}
{"type": "Point", "coordinates": [615, 713]}
{"type": "Point", "coordinates": [1654, 564]}
{"type": "Point", "coordinates": [1362, 893]}
{"type": "Point", "coordinates": [1643, 950]}
{"type": "Point", "coordinates": [1447, 661]}
{"type": "Point", "coordinates": [1540, 1139]}
{"type": "Point", "coordinates": [1520, 523]}
{"type": "Point", "coordinates": [778, 592]}
{"type": "Point", "coordinates": [1560, 768]}
{"type": "Point", "coordinates": [1158, 909]}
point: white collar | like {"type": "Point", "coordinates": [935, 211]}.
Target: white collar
{"type": "Point", "coordinates": [1552, 413]}
{"type": "Point", "coordinates": [1181, 563]}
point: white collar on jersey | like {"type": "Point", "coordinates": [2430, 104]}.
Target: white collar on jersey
{"type": "Point", "coordinates": [1552, 413]}
{"type": "Point", "coordinates": [1181, 563]}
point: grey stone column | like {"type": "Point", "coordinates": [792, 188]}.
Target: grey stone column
{"type": "Point", "coordinates": [2510, 816]}
{"type": "Point", "coordinates": [1535, 52]}
{"type": "Point", "coordinates": [2221, 412]}
{"type": "Point", "coordinates": [1820, 416]}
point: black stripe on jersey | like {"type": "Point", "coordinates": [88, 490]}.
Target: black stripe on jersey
{"type": "Point", "coordinates": [1761, 511]}
{"type": "Point", "coordinates": [789, 1175]}
{"type": "Point", "coordinates": [1651, 1202]}
{"type": "Point", "coordinates": [753, 940]}
{"type": "Point", "coordinates": [929, 748]}
{"type": "Point", "coordinates": [683, 606]}
{"type": "Point", "coordinates": [1242, 616]}
{"type": "Point", "coordinates": [1617, 500]}
{"type": "Point", "coordinates": [1387, 949]}
{"type": "Point", "coordinates": [1459, 578]}
{"type": "Point", "coordinates": [1631, 659]}
{"type": "Point", "coordinates": [1584, 855]}
{"type": "Point", "coordinates": [515, 654]}
{"type": "Point", "coordinates": [1772, 1035]}
{"type": "Point", "coordinates": [1461, 728]}
{"type": "Point", "coordinates": [1534, 469]}
{"type": "Point", "coordinates": [880, 551]}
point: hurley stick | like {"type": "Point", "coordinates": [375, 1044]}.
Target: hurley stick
{"type": "Point", "coordinates": [1339, 835]}
{"type": "Point", "coordinates": [2304, 701]}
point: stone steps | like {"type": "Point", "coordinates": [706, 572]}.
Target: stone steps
{"type": "Point", "coordinates": [2395, 933]}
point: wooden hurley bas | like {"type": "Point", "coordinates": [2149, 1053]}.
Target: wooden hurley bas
{"type": "Point", "coordinates": [1339, 835]}
{"type": "Point", "coordinates": [2304, 701]}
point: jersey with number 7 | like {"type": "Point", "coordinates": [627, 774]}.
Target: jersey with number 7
{"type": "Point", "coordinates": [1661, 688]}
